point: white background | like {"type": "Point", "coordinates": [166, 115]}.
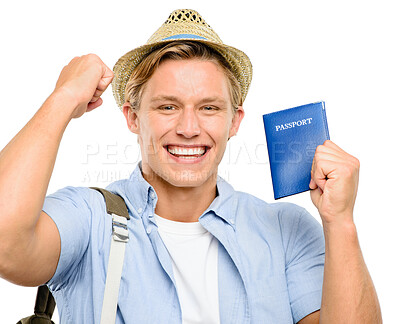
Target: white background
{"type": "Point", "coordinates": [343, 52]}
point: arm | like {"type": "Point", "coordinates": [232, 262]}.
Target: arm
{"type": "Point", "coordinates": [348, 294]}
{"type": "Point", "coordinates": [29, 238]}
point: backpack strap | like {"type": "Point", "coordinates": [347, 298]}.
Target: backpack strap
{"type": "Point", "coordinates": [44, 308]}
{"type": "Point", "coordinates": [120, 236]}
{"type": "Point", "coordinates": [115, 204]}
{"type": "Point", "coordinates": [45, 302]}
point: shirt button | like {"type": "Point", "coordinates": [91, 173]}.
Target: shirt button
{"type": "Point", "coordinates": [148, 231]}
{"type": "Point", "coordinates": [139, 210]}
{"type": "Point", "coordinates": [233, 221]}
{"type": "Point", "coordinates": [152, 195]}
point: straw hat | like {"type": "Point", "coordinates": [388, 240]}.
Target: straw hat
{"type": "Point", "coordinates": [182, 24]}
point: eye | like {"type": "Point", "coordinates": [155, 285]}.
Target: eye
{"type": "Point", "coordinates": [167, 108]}
{"type": "Point", "coordinates": [210, 108]}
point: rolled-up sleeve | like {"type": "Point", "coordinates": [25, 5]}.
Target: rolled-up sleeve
{"type": "Point", "coordinates": [305, 256]}
{"type": "Point", "coordinates": [69, 209]}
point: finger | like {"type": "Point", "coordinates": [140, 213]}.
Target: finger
{"type": "Point", "coordinates": [106, 79]}
{"type": "Point", "coordinates": [333, 146]}
{"type": "Point", "coordinates": [96, 95]}
{"type": "Point", "coordinates": [322, 156]}
{"type": "Point", "coordinates": [326, 148]}
{"type": "Point", "coordinates": [93, 105]}
{"type": "Point", "coordinates": [312, 185]}
{"type": "Point", "coordinates": [330, 148]}
{"type": "Point", "coordinates": [324, 153]}
{"type": "Point", "coordinates": [323, 171]}
{"type": "Point", "coordinates": [315, 195]}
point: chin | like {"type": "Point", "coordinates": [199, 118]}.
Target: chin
{"type": "Point", "coordinates": [188, 178]}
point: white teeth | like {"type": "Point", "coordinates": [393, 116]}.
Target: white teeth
{"type": "Point", "coordinates": [188, 157]}
{"type": "Point", "coordinates": [177, 150]}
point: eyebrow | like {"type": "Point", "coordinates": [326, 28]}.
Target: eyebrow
{"type": "Point", "coordinates": [176, 99]}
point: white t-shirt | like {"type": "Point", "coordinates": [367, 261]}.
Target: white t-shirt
{"type": "Point", "coordinates": [194, 254]}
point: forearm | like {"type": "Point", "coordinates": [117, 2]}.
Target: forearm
{"type": "Point", "coordinates": [26, 165]}
{"type": "Point", "coordinates": [348, 293]}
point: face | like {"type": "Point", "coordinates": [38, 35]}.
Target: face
{"type": "Point", "coordinates": [184, 122]}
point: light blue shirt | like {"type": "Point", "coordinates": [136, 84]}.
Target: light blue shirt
{"type": "Point", "coordinates": [270, 258]}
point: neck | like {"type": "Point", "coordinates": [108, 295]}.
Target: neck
{"type": "Point", "coordinates": [182, 204]}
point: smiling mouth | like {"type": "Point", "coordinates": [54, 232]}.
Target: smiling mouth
{"type": "Point", "coordinates": [184, 152]}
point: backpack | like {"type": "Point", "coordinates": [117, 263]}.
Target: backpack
{"type": "Point", "coordinates": [45, 303]}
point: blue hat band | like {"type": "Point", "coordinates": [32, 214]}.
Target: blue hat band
{"type": "Point", "coordinates": [180, 36]}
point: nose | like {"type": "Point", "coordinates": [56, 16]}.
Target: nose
{"type": "Point", "coordinates": [188, 124]}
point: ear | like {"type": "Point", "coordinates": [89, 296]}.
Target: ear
{"type": "Point", "coordinates": [237, 119]}
{"type": "Point", "coordinates": [131, 118]}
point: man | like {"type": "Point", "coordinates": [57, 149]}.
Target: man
{"type": "Point", "coordinates": [199, 251]}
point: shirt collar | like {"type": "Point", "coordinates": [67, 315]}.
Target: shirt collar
{"type": "Point", "coordinates": [139, 192]}
{"type": "Point", "coordinates": [225, 204]}
{"type": "Point", "coordinates": [136, 190]}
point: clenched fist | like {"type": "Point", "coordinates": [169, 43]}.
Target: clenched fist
{"type": "Point", "coordinates": [334, 183]}
{"type": "Point", "coordinates": [84, 80]}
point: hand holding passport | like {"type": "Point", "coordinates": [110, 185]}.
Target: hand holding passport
{"type": "Point", "coordinates": [292, 137]}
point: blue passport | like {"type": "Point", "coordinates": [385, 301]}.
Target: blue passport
{"type": "Point", "coordinates": [292, 137]}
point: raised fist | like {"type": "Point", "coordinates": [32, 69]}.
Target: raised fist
{"type": "Point", "coordinates": [84, 80]}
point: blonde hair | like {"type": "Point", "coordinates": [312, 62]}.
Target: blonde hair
{"type": "Point", "coordinates": [178, 50]}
